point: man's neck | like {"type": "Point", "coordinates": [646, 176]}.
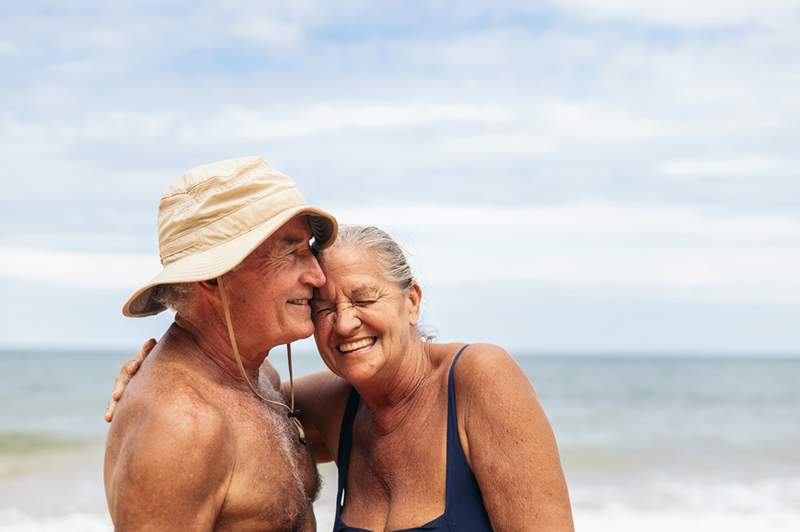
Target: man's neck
{"type": "Point", "coordinates": [212, 343]}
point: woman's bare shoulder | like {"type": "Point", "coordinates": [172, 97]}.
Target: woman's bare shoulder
{"type": "Point", "coordinates": [485, 364]}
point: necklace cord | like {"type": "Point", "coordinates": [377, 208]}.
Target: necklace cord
{"type": "Point", "coordinates": [292, 413]}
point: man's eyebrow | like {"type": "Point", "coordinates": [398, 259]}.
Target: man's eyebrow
{"type": "Point", "coordinates": [294, 240]}
{"type": "Point", "coordinates": [288, 242]}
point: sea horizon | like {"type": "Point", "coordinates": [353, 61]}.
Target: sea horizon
{"type": "Point", "coordinates": [647, 442]}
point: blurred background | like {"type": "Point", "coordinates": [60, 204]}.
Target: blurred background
{"type": "Point", "coordinates": [609, 189]}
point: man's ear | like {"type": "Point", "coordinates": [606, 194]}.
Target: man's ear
{"type": "Point", "coordinates": [413, 303]}
{"type": "Point", "coordinates": [208, 287]}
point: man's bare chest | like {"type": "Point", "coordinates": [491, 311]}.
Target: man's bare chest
{"type": "Point", "coordinates": [274, 481]}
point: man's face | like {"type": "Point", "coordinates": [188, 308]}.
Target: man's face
{"type": "Point", "coordinates": [270, 290]}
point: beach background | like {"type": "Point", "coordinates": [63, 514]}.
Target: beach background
{"type": "Point", "coordinates": [655, 443]}
{"type": "Point", "coordinates": [609, 189]}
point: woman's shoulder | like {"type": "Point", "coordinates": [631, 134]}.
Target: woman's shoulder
{"type": "Point", "coordinates": [479, 366]}
{"type": "Point", "coordinates": [483, 363]}
{"type": "Point", "coordinates": [485, 376]}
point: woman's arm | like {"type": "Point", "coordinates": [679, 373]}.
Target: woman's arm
{"type": "Point", "coordinates": [509, 444]}
{"type": "Point", "coordinates": [128, 370]}
{"type": "Point", "coordinates": [321, 398]}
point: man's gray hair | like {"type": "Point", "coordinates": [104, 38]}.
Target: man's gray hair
{"type": "Point", "coordinates": [174, 296]}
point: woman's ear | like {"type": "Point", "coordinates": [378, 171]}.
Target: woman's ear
{"type": "Point", "coordinates": [413, 302]}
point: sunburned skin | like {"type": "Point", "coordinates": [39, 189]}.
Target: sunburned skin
{"type": "Point", "coordinates": [191, 446]}
{"type": "Point", "coordinates": [365, 331]}
{"type": "Point", "coordinates": [259, 477]}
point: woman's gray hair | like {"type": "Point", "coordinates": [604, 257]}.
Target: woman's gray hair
{"type": "Point", "coordinates": [388, 253]}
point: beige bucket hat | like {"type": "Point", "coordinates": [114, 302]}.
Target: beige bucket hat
{"type": "Point", "coordinates": [213, 216]}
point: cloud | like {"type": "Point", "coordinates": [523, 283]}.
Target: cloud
{"type": "Point", "coordinates": [269, 33]}
{"type": "Point", "coordinates": [686, 13]}
{"type": "Point", "coordinates": [563, 109]}
{"type": "Point", "coordinates": [607, 144]}
{"type": "Point", "coordinates": [248, 124]}
{"type": "Point", "coordinates": [75, 268]}
{"type": "Point", "coordinates": [667, 253]}
{"type": "Point", "coordinates": [672, 253]}
{"type": "Point", "coordinates": [736, 166]}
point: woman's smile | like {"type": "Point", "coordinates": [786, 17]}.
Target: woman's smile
{"type": "Point", "coordinates": [363, 344]}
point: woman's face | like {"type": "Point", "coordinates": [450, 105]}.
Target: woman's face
{"type": "Point", "coordinates": [363, 322]}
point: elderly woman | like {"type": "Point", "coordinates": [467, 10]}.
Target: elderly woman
{"type": "Point", "coordinates": [426, 436]}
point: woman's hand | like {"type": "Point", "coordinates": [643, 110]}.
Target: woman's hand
{"type": "Point", "coordinates": [127, 371]}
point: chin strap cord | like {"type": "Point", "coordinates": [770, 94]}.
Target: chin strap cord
{"type": "Point", "coordinates": [292, 413]}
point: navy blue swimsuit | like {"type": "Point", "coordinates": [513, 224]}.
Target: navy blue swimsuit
{"type": "Point", "coordinates": [463, 507]}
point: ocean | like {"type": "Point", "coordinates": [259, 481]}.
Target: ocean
{"type": "Point", "coordinates": [652, 443]}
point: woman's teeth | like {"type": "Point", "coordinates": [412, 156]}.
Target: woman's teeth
{"type": "Point", "coordinates": [298, 301]}
{"type": "Point", "coordinates": [358, 344]}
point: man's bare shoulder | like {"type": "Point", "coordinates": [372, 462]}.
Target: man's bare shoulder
{"type": "Point", "coordinates": [169, 442]}
{"type": "Point", "coordinates": [171, 406]}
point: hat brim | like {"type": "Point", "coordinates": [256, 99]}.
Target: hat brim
{"type": "Point", "coordinates": [216, 261]}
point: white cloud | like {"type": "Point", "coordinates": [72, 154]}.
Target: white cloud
{"type": "Point", "coordinates": [687, 13]}
{"type": "Point", "coordinates": [735, 166]}
{"type": "Point", "coordinates": [269, 32]}
{"type": "Point", "coordinates": [74, 268]}
{"type": "Point", "coordinates": [664, 253]}
{"type": "Point", "coordinates": [250, 124]}
{"type": "Point", "coordinates": [9, 49]}
{"type": "Point", "coordinates": [510, 143]}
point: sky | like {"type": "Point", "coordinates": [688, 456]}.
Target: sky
{"type": "Point", "coordinates": [566, 175]}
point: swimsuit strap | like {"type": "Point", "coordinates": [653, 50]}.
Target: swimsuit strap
{"type": "Point", "coordinates": [456, 461]}
{"type": "Point", "coordinates": [345, 445]}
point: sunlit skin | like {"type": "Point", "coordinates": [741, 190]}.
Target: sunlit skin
{"type": "Point", "coordinates": [359, 303]}
{"type": "Point", "coordinates": [186, 450]}
{"type": "Point", "coordinates": [365, 329]}
{"type": "Point", "coordinates": [265, 314]}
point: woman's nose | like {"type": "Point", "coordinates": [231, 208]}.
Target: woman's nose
{"type": "Point", "coordinates": [347, 321]}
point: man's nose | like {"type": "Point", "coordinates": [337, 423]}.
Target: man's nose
{"type": "Point", "coordinates": [313, 273]}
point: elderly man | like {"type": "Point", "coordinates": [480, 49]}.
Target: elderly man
{"type": "Point", "coordinates": [200, 442]}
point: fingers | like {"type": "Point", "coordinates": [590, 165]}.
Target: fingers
{"type": "Point", "coordinates": [147, 347]}
{"type": "Point", "coordinates": [128, 370]}
{"type": "Point", "coordinates": [112, 404]}
{"type": "Point", "coordinates": [131, 366]}
{"type": "Point", "coordinates": [142, 354]}
{"type": "Point", "coordinates": [119, 385]}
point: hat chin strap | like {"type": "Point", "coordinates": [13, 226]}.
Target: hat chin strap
{"type": "Point", "coordinates": [292, 413]}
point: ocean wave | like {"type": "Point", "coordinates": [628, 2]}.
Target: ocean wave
{"type": "Point", "coordinates": [623, 519]}
{"type": "Point", "coordinates": [776, 496]}
{"type": "Point", "coordinates": [14, 520]}
{"type": "Point", "coordinates": [18, 442]}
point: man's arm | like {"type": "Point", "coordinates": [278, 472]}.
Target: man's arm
{"type": "Point", "coordinates": [509, 444]}
{"type": "Point", "coordinates": [172, 468]}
